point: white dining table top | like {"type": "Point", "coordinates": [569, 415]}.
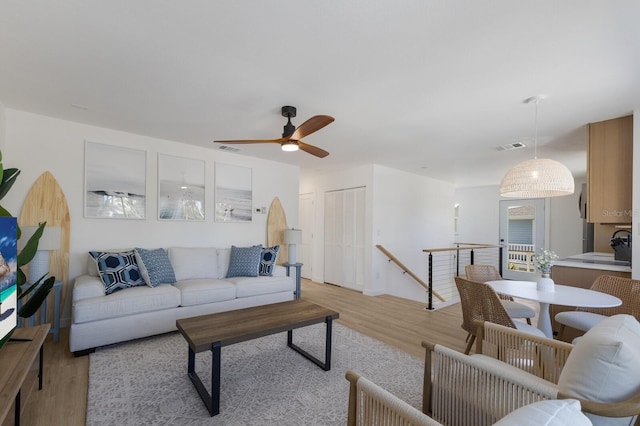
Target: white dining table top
{"type": "Point", "coordinates": [563, 295]}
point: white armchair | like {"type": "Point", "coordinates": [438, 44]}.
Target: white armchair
{"type": "Point", "coordinates": [513, 369]}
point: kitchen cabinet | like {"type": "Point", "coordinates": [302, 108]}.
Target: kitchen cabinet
{"type": "Point", "coordinates": [610, 171]}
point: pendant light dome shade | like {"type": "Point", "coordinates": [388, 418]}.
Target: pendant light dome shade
{"type": "Point", "coordinates": [537, 178]}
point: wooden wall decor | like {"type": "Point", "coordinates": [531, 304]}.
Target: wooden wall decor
{"type": "Point", "coordinates": [276, 224]}
{"type": "Point", "coordinates": [45, 201]}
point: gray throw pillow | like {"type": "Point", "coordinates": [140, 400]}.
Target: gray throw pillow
{"type": "Point", "coordinates": [244, 261]}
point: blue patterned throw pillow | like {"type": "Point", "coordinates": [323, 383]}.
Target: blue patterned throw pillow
{"type": "Point", "coordinates": [117, 270]}
{"type": "Point", "coordinates": [244, 261]}
{"type": "Point", "coordinates": [268, 259]}
{"type": "Point", "coordinates": [155, 266]}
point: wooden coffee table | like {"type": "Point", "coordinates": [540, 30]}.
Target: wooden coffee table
{"type": "Point", "coordinates": [211, 332]}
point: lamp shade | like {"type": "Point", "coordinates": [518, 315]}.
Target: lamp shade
{"type": "Point", "coordinates": [292, 236]}
{"type": "Point", "coordinates": [50, 239]}
{"type": "Point", "coordinates": [537, 178]}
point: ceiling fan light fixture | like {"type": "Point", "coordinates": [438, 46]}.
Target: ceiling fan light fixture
{"type": "Point", "coordinates": [290, 146]}
{"type": "Point", "coordinates": [539, 177]}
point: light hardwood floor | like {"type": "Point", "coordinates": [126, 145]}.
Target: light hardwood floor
{"type": "Point", "coordinates": [399, 322]}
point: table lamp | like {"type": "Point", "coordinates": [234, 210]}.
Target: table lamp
{"type": "Point", "coordinates": [292, 237]}
{"type": "Point", "coordinates": [50, 240]}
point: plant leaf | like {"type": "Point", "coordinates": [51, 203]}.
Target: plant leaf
{"type": "Point", "coordinates": [5, 339]}
{"type": "Point", "coordinates": [8, 179]}
{"type": "Point", "coordinates": [21, 278]}
{"type": "Point", "coordinates": [4, 212]}
{"type": "Point", "coordinates": [30, 249]}
{"type": "Point", "coordinates": [37, 298]}
{"type": "Point", "coordinates": [31, 287]}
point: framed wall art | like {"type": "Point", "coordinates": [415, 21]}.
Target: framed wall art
{"type": "Point", "coordinates": [233, 193]}
{"type": "Point", "coordinates": [115, 182]}
{"type": "Point", "coordinates": [181, 188]}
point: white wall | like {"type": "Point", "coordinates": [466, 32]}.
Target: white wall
{"type": "Point", "coordinates": [478, 215]}
{"type": "Point", "coordinates": [406, 213]}
{"type": "Point", "coordinates": [2, 126]}
{"type": "Point", "coordinates": [36, 143]}
{"type": "Point", "coordinates": [410, 213]}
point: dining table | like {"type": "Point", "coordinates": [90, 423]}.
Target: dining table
{"type": "Point", "coordinates": [562, 295]}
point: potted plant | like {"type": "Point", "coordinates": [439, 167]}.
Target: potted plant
{"type": "Point", "coordinates": [544, 262]}
{"type": "Point", "coordinates": [38, 290]}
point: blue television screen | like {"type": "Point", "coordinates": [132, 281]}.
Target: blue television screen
{"type": "Point", "coordinates": [8, 274]}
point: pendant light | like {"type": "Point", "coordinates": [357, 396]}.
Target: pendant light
{"type": "Point", "coordinates": [539, 177]}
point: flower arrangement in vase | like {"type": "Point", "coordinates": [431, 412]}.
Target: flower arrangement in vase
{"type": "Point", "coordinates": [544, 262]}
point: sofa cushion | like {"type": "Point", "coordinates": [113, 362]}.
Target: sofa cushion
{"type": "Point", "coordinates": [253, 286]}
{"type": "Point", "coordinates": [268, 259]}
{"type": "Point", "coordinates": [155, 266]}
{"type": "Point", "coordinates": [201, 291]}
{"type": "Point", "coordinates": [118, 270]}
{"type": "Point", "coordinates": [560, 412]}
{"type": "Point", "coordinates": [603, 366]}
{"type": "Point", "coordinates": [244, 261]}
{"type": "Point", "coordinates": [224, 254]}
{"type": "Point", "coordinates": [194, 262]}
{"type": "Point", "coordinates": [129, 301]}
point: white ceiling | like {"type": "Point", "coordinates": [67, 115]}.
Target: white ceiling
{"type": "Point", "coordinates": [430, 87]}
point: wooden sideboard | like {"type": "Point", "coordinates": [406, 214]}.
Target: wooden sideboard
{"type": "Point", "coordinates": [20, 371]}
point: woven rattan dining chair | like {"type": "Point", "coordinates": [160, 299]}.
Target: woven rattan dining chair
{"type": "Point", "coordinates": [584, 319]}
{"type": "Point", "coordinates": [484, 273]}
{"type": "Point", "coordinates": [480, 303]}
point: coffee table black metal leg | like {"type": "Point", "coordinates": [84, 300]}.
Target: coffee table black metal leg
{"type": "Point", "coordinates": [326, 365]}
{"type": "Point", "coordinates": [212, 402]}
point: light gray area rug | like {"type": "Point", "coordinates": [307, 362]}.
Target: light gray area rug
{"type": "Point", "coordinates": [144, 382]}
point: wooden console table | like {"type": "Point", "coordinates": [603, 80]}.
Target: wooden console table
{"type": "Point", "coordinates": [21, 363]}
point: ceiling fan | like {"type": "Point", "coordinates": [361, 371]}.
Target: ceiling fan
{"type": "Point", "coordinates": [291, 137]}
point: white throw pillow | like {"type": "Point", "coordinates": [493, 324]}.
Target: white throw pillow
{"type": "Point", "coordinates": [194, 262]}
{"type": "Point", "coordinates": [555, 412]}
{"type": "Point", "coordinates": [604, 364]}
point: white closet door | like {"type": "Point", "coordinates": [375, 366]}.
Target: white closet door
{"type": "Point", "coordinates": [344, 237]}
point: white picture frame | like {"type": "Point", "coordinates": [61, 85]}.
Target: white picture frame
{"type": "Point", "coordinates": [233, 193]}
{"type": "Point", "coordinates": [115, 180]}
{"type": "Point", "coordinates": [181, 188]}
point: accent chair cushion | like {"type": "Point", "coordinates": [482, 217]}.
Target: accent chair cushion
{"type": "Point", "coordinates": [603, 365]}
{"type": "Point", "coordinates": [117, 270]}
{"type": "Point", "coordinates": [555, 412]}
{"type": "Point", "coordinates": [244, 261]}
{"type": "Point", "coordinates": [268, 259]}
{"type": "Point", "coordinates": [155, 266]}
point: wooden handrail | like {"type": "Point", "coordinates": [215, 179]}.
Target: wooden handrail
{"type": "Point", "coordinates": [471, 247]}
{"type": "Point", "coordinates": [408, 271]}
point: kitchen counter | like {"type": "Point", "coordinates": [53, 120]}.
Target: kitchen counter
{"type": "Point", "coordinates": [601, 261]}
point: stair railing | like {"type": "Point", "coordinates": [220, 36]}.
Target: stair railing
{"type": "Point", "coordinates": [405, 270]}
{"type": "Point", "coordinates": [472, 247]}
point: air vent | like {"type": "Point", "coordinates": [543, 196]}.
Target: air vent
{"type": "Point", "coordinates": [510, 146]}
{"type": "Point", "coordinates": [228, 148]}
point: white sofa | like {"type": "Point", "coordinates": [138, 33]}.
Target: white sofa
{"type": "Point", "coordinates": [201, 288]}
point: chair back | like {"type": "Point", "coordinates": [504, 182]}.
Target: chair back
{"type": "Point", "coordinates": [371, 405]}
{"type": "Point", "coordinates": [480, 302]}
{"type": "Point", "coordinates": [625, 289]}
{"type": "Point", "coordinates": [482, 273]}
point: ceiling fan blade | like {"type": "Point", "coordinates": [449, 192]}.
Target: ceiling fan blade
{"type": "Point", "coordinates": [313, 124]}
{"type": "Point", "coordinates": [253, 141]}
{"type": "Point", "coordinates": [313, 150]}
